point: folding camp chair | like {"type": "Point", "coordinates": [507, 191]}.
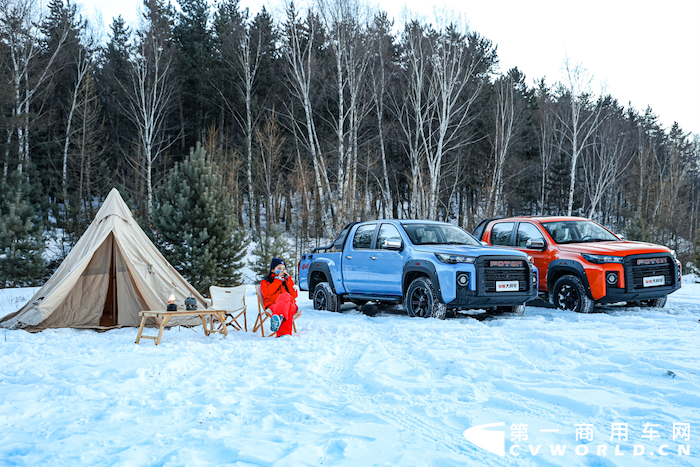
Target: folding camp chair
{"type": "Point", "coordinates": [265, 313]}
{"type": "Point", "coordinates": [232, 300]}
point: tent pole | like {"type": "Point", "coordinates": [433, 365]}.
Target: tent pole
{"type": "Point", "coordinates": [113, 274]}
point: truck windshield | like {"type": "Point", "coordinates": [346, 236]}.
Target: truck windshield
{"type": "Point", "coordinates": [578, 232]}
{"type": "Point", "coordinates": [438, 234]}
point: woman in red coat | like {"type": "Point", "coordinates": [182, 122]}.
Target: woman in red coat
{"type": "Point", "coordinates": [279, 294]}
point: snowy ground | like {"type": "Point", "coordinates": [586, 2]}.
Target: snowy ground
{"type": "Point", "coordinates": [356, 390]}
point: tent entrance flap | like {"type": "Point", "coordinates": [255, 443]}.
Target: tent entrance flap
{"type": "Point", "coordinates": [110, 311]}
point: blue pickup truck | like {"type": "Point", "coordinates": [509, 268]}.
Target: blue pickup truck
{"type": "Point", "coordinates": [428, 266]}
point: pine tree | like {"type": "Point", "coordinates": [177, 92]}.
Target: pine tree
{"type": "Point", "coordinates": [637, 230]}
{"type": "Point", "coordinates": [271, 245]}
{"type": "Point", "coordinates": [21, 239]}
{"type": "Point", "coordinates": [196, 225]}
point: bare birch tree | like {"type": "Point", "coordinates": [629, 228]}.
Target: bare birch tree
{"type": "Point", "coordinates": [441, 89]}
{"type": "Point", "coordinates": [19, 30]}
{"type": "Point", "coordinates": [298, 48]}
{"type": "Point", "coordinates": [605, 159]}
{"type": "Point", "coordinates": [150, 94]}
{"type": "Point", "coordinates": [84, 62]}
{"type": "Point", "coordinates": [270, 140]}
{"type": "Point", "coordinates": [506, 120]}
{"type": "Point", "coordinates": [378, 81]}
{"type": "Point", "coordinates": [345, 21]}
{"type": "Point", "coordinates": [580, 121]}
{"type": "Point", "coordinates": [411, 107]}
{"type": "Point", "coordinates": [249, 61]}
{"type": "Point", "coordinates": [545, 122]}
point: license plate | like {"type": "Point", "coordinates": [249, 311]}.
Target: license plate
{"type": "Point", "coordinates": [507, 286]}
{"type": "Point", "coordinates": [654, 281]}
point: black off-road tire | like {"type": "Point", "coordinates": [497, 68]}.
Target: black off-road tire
{"type": "Point", "coordinates": [569, 293]}
{"type": "Point", "coordinates": [422, 300]}
{"type": "Point", "coordinates": [325, 299]}
{"type": "Point", "coordinates": [514, 310]}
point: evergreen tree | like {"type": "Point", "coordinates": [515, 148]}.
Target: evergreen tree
{"type": "Point", "coordinates": [21, 240]}
{"type": "Point", "coordinates": [637, 230]}
{"type": "Point", "coordinates": [271, 245]}
{"type": "Point", "coordinates": [112, 79]}
{"type": "Point", "coordinates": [195, 44]}
{"type": "Point", "coordinates": [196, 226]}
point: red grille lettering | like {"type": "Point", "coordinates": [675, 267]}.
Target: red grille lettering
{"type": "Point", "coordinates": [506, 264]}
{"type": "Point", "coordinates": [648, 261]}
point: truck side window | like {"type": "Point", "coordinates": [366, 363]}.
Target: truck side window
{"type": "Point", "coordinates": [363, 237]}
{"type": "Point", "coordinates": [500, 233]}
{"type": "Point", "coordinates": [387, 232]}
{"type": "Point", "coordinates": [527, 232]}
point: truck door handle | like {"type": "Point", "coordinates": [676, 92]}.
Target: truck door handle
{"type": "Point", "coordinates": [372, 257]}
{"type": "Point", "coordinates": [348, 257]}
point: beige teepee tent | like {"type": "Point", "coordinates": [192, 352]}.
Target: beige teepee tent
{"type": "Point", "coordinates": [112, 273]}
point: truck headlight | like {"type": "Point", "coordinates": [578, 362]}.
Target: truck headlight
{"type": "Point", "coordinates": [673, 252]}
{"type": "Point", "coordinates": [602, 259]}
{"type": "Point", "coordinates": [530, 259]}
{"type": "Point", "coordinates": [454, 259]}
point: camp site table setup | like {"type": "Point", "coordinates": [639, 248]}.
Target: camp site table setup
{"type": "Point", "coordinates": [165, 316]}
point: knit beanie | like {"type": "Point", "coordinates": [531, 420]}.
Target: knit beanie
{"type": "Point", "coordinates": [275, 262]}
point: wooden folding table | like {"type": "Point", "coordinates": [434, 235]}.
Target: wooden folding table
{"type": "Point", "coordinates": [165, 316]}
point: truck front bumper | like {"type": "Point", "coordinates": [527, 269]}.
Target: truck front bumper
{"type": "Point", "coordinates": [615, 295]}
{"type": "Point", "coordinates": [469, 299]}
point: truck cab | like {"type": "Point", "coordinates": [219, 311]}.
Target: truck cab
{"type": "Point", "coordinates": [428, 266]}
{"type": "Point", "coordinates": [582, 263]}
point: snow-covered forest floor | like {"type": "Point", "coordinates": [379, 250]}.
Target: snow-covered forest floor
{"type": "Point", "coordinates": [351, 389]}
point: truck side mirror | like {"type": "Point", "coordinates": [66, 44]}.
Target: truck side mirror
{"type": "Point", "coordinates": [392, 245]}
{"type": "Point", "coordinates": [535, 245]}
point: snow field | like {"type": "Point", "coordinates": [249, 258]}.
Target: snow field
{"type": "Point", "coordinates": [354, 390]}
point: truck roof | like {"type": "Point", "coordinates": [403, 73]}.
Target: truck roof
{"type": "Point", "coordinates": [406, 221]}
{"type": "Point", "coordinates": [542, 218]}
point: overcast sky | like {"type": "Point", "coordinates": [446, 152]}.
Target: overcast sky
{"type": "Point", "coordinates": [646, 53]}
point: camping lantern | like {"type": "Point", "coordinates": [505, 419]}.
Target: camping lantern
{"type": "Point", "coordinates": [171, 301]}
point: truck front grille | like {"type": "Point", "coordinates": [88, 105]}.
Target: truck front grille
{"type": "Point", "coordinates": [492, 274]}
{"type": "Point", "coordinates": [650, 267]}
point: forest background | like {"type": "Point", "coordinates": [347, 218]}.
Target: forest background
{"type": "Point", "coordinates": [301, 124]}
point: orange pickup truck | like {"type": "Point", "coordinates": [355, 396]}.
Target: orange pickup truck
{"type": "Point", "coordinates": [582, 263]}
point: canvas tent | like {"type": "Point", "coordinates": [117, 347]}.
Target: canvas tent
{"type": "Point", "coordinates": [112, 273]}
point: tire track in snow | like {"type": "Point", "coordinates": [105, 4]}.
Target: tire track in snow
{"type": "Point", "coordinates": [339, 380]}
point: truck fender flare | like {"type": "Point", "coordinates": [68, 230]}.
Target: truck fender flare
{"type": "Point", "coordinates": [426, 268]}
{"type": "Point", "coordinates": [569, 267]}
{"type": "Point", "coordinates": [319, 266]}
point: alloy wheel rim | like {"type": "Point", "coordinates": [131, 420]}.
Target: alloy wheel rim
{"type": "Point", "coordinates": [568, 298]}
{"type": "Point", "coordinates": [320, 301]}
{"type": "Point", "coordinates": [420, 302]}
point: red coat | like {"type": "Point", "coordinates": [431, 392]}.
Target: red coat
{"type": "Point", "coordinates": [271, 291]}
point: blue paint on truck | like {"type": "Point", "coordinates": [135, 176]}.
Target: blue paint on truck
{"type": "Point", "coordinates": [425, 265]}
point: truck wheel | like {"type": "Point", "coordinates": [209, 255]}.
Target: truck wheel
{"type": "Point", "coordinates": [570, 294]}
{"type": "Point", "coordinates": [325, 298]}
{"type": "Point", "coordinates": [655, 303]}
{"type": "Point", "coordinates": [422, 300]}
{"type": "Point", "coordinates": [515, 309]}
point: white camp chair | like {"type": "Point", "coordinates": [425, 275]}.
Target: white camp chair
{"type": "Point", "coordinates": [232, 300]}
